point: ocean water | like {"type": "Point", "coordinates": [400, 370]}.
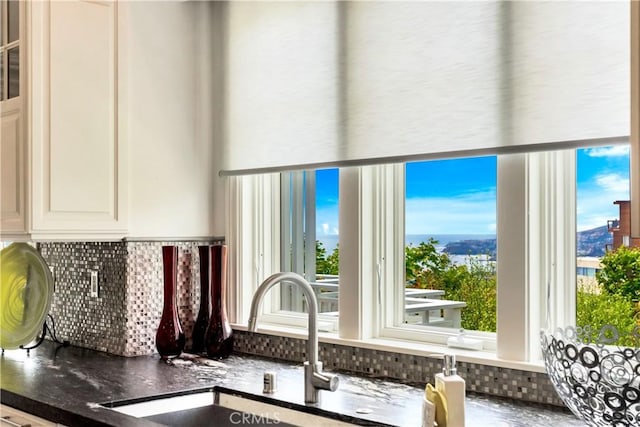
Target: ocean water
{"type": "Point", "coordinates": [331, 241]}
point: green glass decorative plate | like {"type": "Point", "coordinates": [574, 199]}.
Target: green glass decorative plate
{"type": "Point", "coordinates": [26, 289]}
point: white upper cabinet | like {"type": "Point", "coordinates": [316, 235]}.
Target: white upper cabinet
{"type": "Point", "coordinates": [78, 155]}
{"type": "Point", "coordinates": [63, 158]}
{"type": "Point", "coordinates": [117, 128]}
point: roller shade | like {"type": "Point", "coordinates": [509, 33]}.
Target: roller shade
{"type": "Point", "coordinates": [423, 77]}
{"type": "Point", "coordinates": [281, 83]}
{"type": "Point", "coordinates": [330, 84]}
{"type": "Point", "coordinates": [570, 71]}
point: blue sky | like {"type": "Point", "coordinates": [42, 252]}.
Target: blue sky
{"type": "Point", "coordinates": [326, 202]}
{"type": "Point", "coordinates": [451, 196]}
{"type": "Point", "coordinates": [459, 196]}
{"type": "Point", "coordinates": [603, 177]}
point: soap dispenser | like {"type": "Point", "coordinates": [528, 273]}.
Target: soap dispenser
{"type": "Point", "coordinates": [452, 386]}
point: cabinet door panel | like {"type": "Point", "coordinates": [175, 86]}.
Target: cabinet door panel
{"type": "Point", "coordinates": [78, 175]}
{"type": "Point", "coordinates": [11, 174]}
{"type": "Point", "coordinates": [82, 107]}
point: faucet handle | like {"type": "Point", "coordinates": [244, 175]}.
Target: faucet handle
{"type": "Point", "coordinates": [323, 380]}
{"type": "Point", "coordinates": [329, 381]}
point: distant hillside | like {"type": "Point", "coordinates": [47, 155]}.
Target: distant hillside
{"type": "Point", "coordinates": [472, 247]}
{"type": "Point", "coordinates": [590, 243]}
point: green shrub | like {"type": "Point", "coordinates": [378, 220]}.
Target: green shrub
{"type": "Point", "coordinates": [597, 310]}
{"type": "Point", "coordinates": [326, 264]}
{"type": "Point", "coordinates": [424, 266]}
{"type": "Point", "coordinates": [620, 273]}
{"type": "Point", "coordinates": [475, 284]}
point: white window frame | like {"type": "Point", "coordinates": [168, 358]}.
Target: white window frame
{"type": "Point", "coordinates": [536, 201]}
{"type": "Point", "coordinates": [536, 212]}
{"type": "Point", "coordinates": [537, 207]}
{"type": "Point", "coordinates": [298, 232]}
{"type": "Point", "coordinates": [253, 211]}
{"type": "Point", "coordinates": [386, 200]}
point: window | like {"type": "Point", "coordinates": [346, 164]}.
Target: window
{"type": "Point", "coordinates": [602, 175]}
{"type": "Point", "coordinates": [327, 266]}
{"type": "Point", "coordinates": [526, 202]}
{"type": "Point", "coordinates": [309, 236]}
{"type": "Point", "coordinates": [269, 216]}
{"type": "Point", "coordinates": [450, 244]}
{"type": "Point", "coordinates": [297, 246]}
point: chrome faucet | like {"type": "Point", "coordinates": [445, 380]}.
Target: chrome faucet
{"type": "Point", "coordinates": [314, 378]}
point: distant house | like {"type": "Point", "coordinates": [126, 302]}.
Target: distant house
{"type": "Point", "coordinates": [586, 269]}
{"type": "Point", "coordinates": [621, 228]}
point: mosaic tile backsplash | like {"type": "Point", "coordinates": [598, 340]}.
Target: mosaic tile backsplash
{"type": "Point", "coordinates": [97, 323]}
{"type": "Point", "coordinates": [124, 318]}
{"type": "Point", "coordinates": [503, 382]}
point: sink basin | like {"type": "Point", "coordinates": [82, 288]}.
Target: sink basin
{"type": "Point", "coordinates": [226, 407]}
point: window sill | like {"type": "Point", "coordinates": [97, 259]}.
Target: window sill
{"type": "Point", "coordinates": [400, 346]}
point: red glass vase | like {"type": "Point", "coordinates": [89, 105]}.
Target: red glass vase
{"type": "Point", "coordinates": [219, 335]}
{"type": "Point", "coordinates": [204, 313]}
{"type": "Point", "coordinates": [170, 337]}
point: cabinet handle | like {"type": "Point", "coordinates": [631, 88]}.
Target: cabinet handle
{"type": "Point", "coordinates": [7, 420]}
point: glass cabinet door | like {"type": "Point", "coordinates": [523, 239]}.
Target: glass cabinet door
{"type": "Point", "coordinates": [13, 72]}
{"type": "Point", "coordinates": [13, 21]}
{"type": "Point", "coordinates": [9, 49]}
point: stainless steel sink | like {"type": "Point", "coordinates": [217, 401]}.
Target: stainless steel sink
{"type": "Point", "coordinates": [215, 407]}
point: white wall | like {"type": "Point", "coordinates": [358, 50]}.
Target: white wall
{"type": "Point", "coordinates": [171, 126]}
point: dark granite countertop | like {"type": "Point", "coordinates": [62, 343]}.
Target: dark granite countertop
{"type": "Point", "coordinates": [66, 384]}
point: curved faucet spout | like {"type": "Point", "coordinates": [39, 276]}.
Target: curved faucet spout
{"type": "Point", "coordinates": [314, 377]}
{"type": "Point", "coordinates": [312, 306]}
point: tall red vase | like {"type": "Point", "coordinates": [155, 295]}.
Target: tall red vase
{"type": "Point", "coordinates": [219, 335]}
{"type": "Point", "coordinates": [170, 337]}
{"type": "Point", "coordinates": [204, 313]}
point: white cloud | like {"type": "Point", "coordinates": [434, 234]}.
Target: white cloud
{"type": "Point", "coordinates": [476, 213]}
{"type": "Point", "coordinates": [473, 213]}
{"type": "Point", "coordinates": [612, 151]}
{"type": "Point", "coordinates": [596, 214]}
{"type": "Point", "coordinates": [613, 183]}
{"type": "Point", "coordinates": [327, 221]}
{"type": "Point", "coordinates": [467, 214]}
{"type": "Point", "coordinates": [595, 203]}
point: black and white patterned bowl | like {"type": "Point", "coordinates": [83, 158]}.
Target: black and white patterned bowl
{"type": "Point", "coordinates": [596, 378]}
